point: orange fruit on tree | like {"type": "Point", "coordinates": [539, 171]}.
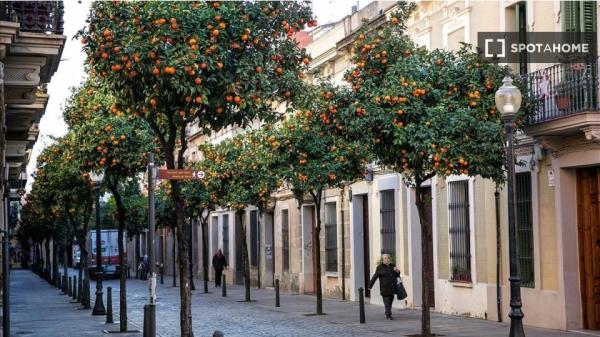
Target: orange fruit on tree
{"type": "Point", "coordinates": [153, 102]}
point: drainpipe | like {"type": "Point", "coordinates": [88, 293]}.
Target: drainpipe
{"type": "Point", "coordinates": [343, 245]}
{"type": "Point", "coordinates": [498, 252]}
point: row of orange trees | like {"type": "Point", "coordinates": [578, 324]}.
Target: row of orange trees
{"type": "Point", "coordinates": [156, 67]}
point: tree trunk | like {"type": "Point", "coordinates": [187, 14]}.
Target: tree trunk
{"type": "Point", "coordinates": [66, 259]}
{"type": "Point", "coordinates": [47, 264]}
{"type": "Point", "coordinates": [182, 247]}
{"type": "Point", "coordinates": [54, 260]}
{"type": "Point", "coordinates": [426, 237]}
{"type": "Point", "coordinates": [204, 225]}
{"type": "Point", "coordinates": [317, 252]}
{"type": "Point", "coordinates": [122, 258]}
{"type": "Point", "coordinates": [174, 254]}
{"type": "Point", "coordinates": [245, 260]}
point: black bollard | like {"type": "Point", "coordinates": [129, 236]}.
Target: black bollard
{"type": "Point", "coordinates": [361, 304]}
{"type": "Point", "coordinates": [224, 286]}
{"type": "Point", "coordinates": [79, 291]}
{"type": "Point", "coordinates": [75, 288]}
{"type": "Point", "coordinates": [70, 287]}
{"type": "Point", "coordinates": [58, 282]}
{"type": "Point", "coordinates": [65, 284]}
{"type": "Point", "coordinates": [162, 274]}
{"type": "Point", "coordinates": [109, 310]}
{"type": "Point", "coordinates": [86, 294]}
{"type": "Point", "coordinates": [149, 321]}
{"type": "Point", "coordinates": [277, 304]}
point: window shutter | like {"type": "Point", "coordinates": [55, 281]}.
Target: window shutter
{"type": "Point", "coordinates": [569, 16]}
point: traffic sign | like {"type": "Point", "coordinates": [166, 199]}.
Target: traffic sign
{"type": "Point", "coordinates": [180, 174]}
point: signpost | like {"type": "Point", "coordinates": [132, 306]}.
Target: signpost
{"type": "Point", "coordinates": [180, 174]}
{"type": "Point", "coordinates": [150, 309]}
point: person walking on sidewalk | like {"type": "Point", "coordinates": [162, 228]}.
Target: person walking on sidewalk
{"type": "Point", "coordinates": [387, 274]}
{"type": "Point", "coordinates": [219, 262]}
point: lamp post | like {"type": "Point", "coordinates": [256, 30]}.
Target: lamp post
{"type": "Point", "coordinates": [508, 101]}
{"type": "Point", "coordinates": [97, 178]}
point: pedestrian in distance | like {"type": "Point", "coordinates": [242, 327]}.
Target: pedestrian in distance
{"type": "Point", "coordinates": [219, 262]}
{"type": "Point", "coordinates": [218, 333]}
{"type": "Point", "coordinates": [387, 274]}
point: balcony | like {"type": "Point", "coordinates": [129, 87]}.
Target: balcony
{"type": "Point", "coordinates": [567, 97]}
{"type": "Point", "coordinates": [34, 16]}
{"type": "Point", "coordinates": [31, 45]}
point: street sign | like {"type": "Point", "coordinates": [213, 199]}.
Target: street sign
{"type": "Point", "coordinates": [180, 174]}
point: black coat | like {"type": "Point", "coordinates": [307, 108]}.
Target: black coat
{"type": "Point", "coordinates": [387, 279]}
{"type": "Point", "coordinates": [219, 262]}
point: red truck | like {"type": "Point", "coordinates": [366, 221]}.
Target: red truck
{"type": "Point", "coordinates": [110, 251]}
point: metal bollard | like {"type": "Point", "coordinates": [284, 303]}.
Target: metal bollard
{"type": "Point", "coordinates": [361, 304]}
{"type": "Point", "coordinates": [162, 274]}
{"type": "Point", "coordinates": [149, 320]}
{"type": "Point", "coordinates": [70, 287]}
{"type": "Point", "coordinates": [224, 286]}
{"type": "Point", "coordinates": [75, 288]}
{"type": "Point", "coordinates": [109, 310]}
{"type": "Point", "coordinates": [86, 294]}
{"type": "Point", "coordinates": [79, 290]}
{"type": "Point", "coordinates": [277, 304]}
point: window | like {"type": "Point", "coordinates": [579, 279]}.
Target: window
{"type": "Point", "coordinates": [226, 235]}
{"type": "Point", "coordinates": [459, 217]}
{"type": "Point", "coordinates": [524, 226]}
{"type": "Point", "coordinates": [254, 238]}
{"type": "Point", "coordinates": [521, 26]}
{"type": "Point", "coordinates": [388, 222]}
{"type": "Point", "coordinates": [330, 237]}
{"type": "Point", "coordinates": [578, 18]}
{"type": "Point", "coordinates": [285, 240]}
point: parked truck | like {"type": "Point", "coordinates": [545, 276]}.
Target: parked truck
{"type": "Point", "coordinates": [110, 252]}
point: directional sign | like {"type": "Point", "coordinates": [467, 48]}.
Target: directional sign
{"type": "Point", "coordinates": [180, 174]}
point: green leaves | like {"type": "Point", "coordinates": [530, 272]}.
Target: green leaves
{"type": "Point", "coordinates": [425, 113]}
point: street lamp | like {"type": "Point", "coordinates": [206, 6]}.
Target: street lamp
{"type": "Point", "coordinates": [97, 178]}
{"type": "Point", "coordinates": [508, 101]}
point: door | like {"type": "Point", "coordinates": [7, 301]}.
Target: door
{"type": "Point", "coordinates": [588, 218]}
{"type": "Point", "coordinates": [308, 218]}
{"type": "Point", "coordinates": [239, 268]}
{"type": "Point", "coordinates": [366, 247]}
{"type": "Point", "coordinates": [429, 215]}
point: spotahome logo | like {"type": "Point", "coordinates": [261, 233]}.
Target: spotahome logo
{"type": "Point", "coordinates": [539, 47]}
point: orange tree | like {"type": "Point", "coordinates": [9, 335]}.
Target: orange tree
{"type": "Point", "coordinates": [242, 171]}
{"type": "Point", "coordinates": [174, 62]}
{"type": "Point", "coordinates": [311, 157]}
{"type": "Point", "coordinates": [66, 197]}
{"type": "Point", "coordinates": [425, 114]}
{"type": "Point", "coordinates": [109, 141]}
{"type": "Point", "coordinates": [119, 146]}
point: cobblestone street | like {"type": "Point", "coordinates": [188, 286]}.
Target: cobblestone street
{"type": "Point", "coordinates": [40, 303]}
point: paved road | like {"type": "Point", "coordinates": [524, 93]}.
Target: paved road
{"type": "Point", "coordinates": [40, 310]}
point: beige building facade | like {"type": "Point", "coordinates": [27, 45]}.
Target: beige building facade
{"type": "Point", "coordinates": [557, 191]}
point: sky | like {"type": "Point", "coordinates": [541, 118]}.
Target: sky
{"type": "Point", "coordinates": [71, 71]}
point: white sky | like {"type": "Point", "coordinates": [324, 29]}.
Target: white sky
{"type": "Point", "coordinates": [71, 72]}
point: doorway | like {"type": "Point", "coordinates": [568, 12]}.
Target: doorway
{"type": "Point", "coordinates": [427, 197]}
{"type": "Point", "coordinates": [588, 221]}
{"type": "Point", "coordinates": [239, 268]}
{"type": "Point", "coordinates": [308, 219]}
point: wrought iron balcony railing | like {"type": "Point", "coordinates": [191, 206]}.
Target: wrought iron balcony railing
{"type": "Point", "coordinates": [34, 16]}
{"type": "Point", "coordinates": [564, 89]}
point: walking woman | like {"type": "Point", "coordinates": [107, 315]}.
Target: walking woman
{"type": "Point", "coordinates": [387, 274]}
{"type": "Point", "coordinates": [219, 262]}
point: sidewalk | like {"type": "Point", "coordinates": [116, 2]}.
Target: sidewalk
{"type": "Point", "coordinates": [38, 309]}
{"type": "Point", "coordinates": [261, 318]}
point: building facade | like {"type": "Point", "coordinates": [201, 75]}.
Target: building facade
{"type": "Point", "coordinates": [557, 190]}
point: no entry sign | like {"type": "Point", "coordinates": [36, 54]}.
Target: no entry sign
{"type": "Point", "coordinates": [180, 174]}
